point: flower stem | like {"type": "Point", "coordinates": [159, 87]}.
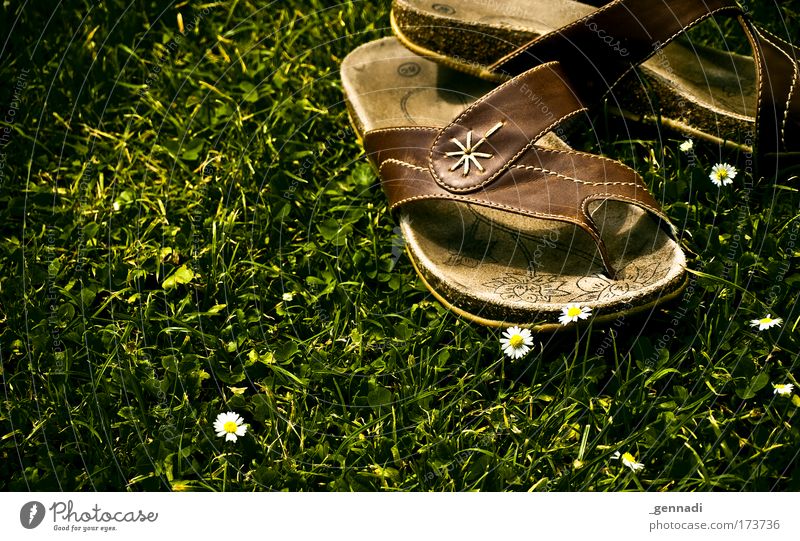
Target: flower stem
{"type": "Point", "coordinates": [225, 475]}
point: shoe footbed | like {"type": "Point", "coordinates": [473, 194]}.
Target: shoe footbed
{"type": "Point", "coordinates": [493, 265]}
{"type": "Point", "coordinates": [700, 89]}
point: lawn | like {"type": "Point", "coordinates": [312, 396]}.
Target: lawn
{"type": "Point", "coordinates": [188, 226]}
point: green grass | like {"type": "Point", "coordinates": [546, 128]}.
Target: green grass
{"type": "Point", "coordinates": [162, 192]}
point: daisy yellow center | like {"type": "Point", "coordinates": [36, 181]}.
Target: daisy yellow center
{"type": "Point", "coordinates": [628, 457]}
{"type": "Point", "coordinates": [230, 427]}
{"type": "Point", "coordinates": [780, 387]}
{"type": "Point", "coordinates": [765, 321]}
{"type": "Point", "coordinates": [573, 311]}
{"type": "Point", "coordinates": [722, 174]}
{"type": "Point", "coordinates": [516, 341]}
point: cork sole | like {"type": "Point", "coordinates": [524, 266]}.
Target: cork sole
{"type": "Point", "coordinates": [699, 91]}
{"type": "Point", "coordinates": [490, 266]}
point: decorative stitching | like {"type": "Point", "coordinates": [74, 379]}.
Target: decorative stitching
{"type": "Point", "coordinates": [403, 128]}
{"type": "Point", "coordinates": [553, 173]}
{"type": "Point", "coordinates": [587, 155]}
{"type": "Point", "coordinates": [750, 32]}
{"type": "Point", "coordinates": [794, 81]}
{"type": "Point", "coordinates": [788, 105]}
{"type": "Point", "coordinates": [402, 163]}
{"type": "Point", "coordinates": [775, 36]}
{"type": "Point", "coordinates": [598, 157]}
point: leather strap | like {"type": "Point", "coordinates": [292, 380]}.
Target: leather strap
{"type": "Point", "coordinates": [502, 125]}
{"type": "Point", "coordinates": [507, 172]}
{"type": "Point", "coordinates": [540, 186]}
{"type": "Point", "coordinates": [598, 50]}
{"type": "Point", "coordinates": [778, 111]}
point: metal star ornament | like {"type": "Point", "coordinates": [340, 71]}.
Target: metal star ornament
{"type": "Point", "coordinates": [468, 154]}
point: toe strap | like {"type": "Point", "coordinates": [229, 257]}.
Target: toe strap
{"type": "Point", "coordinates": [546, 184]}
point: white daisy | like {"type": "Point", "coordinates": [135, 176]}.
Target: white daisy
{"type": "Point", "coordinates": [766, 322]}
{"type": "Point", "coordinates": [573, 312]}
{"type": "Point", "coordinates": [230, 426]}
{"type": "Point", "coordinates": [288, 297]}
{"type": "Point", "coordinates": [628, 460]}
{"type": "Point", "coordinates": [723, 174]}
{"type": "Point", "coordinates": [782, 388]}
{"type": "Point", "coordinates": [686, 146]}
{"type": "Point", "coordinates": [516, 342]}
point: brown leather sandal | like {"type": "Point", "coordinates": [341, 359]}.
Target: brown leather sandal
{"type": "Point", "coordinates": [502, 221]}
{"type": "Point", "coordinates": [745, 101]}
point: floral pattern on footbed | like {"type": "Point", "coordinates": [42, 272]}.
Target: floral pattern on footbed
{"type": "Point", "coordinates": [532, 288]}
{"type": "Point", "coordinates": [527, 287]}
